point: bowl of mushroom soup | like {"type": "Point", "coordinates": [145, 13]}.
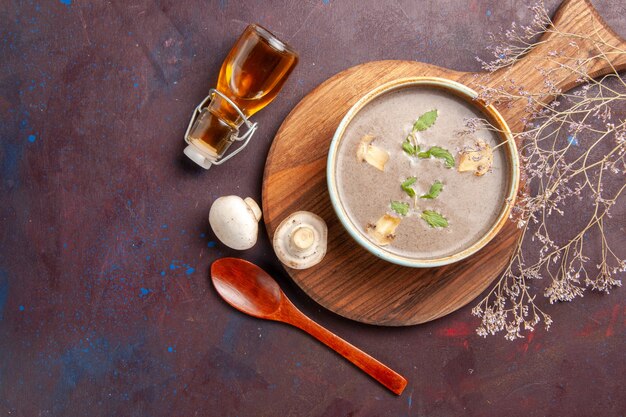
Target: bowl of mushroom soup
{"type": "Point", "coordinates": [410, 183]}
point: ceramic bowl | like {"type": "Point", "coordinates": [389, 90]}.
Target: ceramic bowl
{"type": "Point", "coordinates": [471, 97]}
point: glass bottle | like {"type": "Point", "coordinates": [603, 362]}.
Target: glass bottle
{"type": "Point", "coordinates": [250, 78]}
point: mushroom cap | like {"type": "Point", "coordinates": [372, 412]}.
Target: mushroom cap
{"type": "Point", "coordinates": [300, 240]}
{"type": "Point", "coordinates": [235, 221]}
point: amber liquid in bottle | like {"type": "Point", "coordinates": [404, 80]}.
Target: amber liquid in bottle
{"type": "Point", "coordinates": [251, 76]}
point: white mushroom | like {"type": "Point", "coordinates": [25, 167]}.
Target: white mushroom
{"type": "Point", "coordinates": [235, 221]}
{"type": "Point", "coordinates": [300, 240]}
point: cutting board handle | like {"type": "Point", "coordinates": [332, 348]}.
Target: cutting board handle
{"type": "Point", "coordinates": [577, 37]}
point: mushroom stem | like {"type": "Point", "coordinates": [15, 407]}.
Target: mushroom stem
{"type": "Point", "coordinates": [303, 238]}
{"type": "Point", "coordinates": [256, 210]}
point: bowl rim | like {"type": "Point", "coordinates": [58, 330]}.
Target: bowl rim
{"type": "Point", "coordinates": [470, 96]}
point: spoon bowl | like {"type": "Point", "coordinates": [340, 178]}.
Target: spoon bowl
{"type": "Point", "coordinates": [261, 296]}
{"type": "Point", "coordinates": [251, 290]}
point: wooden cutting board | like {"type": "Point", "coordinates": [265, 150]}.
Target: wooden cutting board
{"type": "Point", "coordinates": [350, 281]}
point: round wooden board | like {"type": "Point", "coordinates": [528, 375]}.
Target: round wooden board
{"type": "Point", "coordinates": [350, 281]}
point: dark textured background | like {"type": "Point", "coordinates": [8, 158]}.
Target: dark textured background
{"type": "Point", "coordinates": [105, 305]}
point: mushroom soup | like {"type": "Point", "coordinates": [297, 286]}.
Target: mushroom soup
{"type": "Point", "coordinates": [410, 182]}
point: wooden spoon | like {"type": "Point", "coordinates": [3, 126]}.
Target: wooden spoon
{"type": "Point", "coordinates": [251, 290]}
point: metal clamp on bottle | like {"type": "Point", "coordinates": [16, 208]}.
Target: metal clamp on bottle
{"type": "Point", "coordinates": [207, 160]}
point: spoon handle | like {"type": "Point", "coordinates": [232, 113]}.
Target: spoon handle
{"type": "Point", "coordinates": [377, 370]}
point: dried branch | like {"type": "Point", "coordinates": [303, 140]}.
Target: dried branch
{"type": "Point", "coordinates": [573, 155]}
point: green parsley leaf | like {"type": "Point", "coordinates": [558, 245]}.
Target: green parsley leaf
{"type": "Point", "coordinates": [409, 148]}
{"type": "Point", "coordinates": [423, 155]}
{"type": "Point", "coordinates": [434, 191]}
{"type": "Point", "coordinates": [400, 207]}
{"type": "Point", "coordinates": [441, 153]}
{"type": "Point", "coordinates": [434, 219]}
{"type": "Point", "coordinates": [425, 121]}
{"type": "Point", "coordinates": [406, 186]}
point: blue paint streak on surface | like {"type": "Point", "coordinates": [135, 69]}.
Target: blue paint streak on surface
{"type": "Point", "coordinates": [11, 161]}
{"type": "Point", "coordinates": [190, 271]}
{"type": "Point", "coordinates": [4, 290]}
{"type": "Point", "coordinates": [170, 349]}
{"type": "Point", "coordinates": [173, 266]}
{"type": "Point", "coordinates": [572, 140]}
{"type": "Point", "coordinates": [32, 138]}
{"type": "Point", "coordinates": [66, 2]}
{"type": "Point", "coordinates": [136, 85]}
{"type": "Point", "coordinates": [143, 292]}
{"type": "Point", "coordinates": [87, 359]}
{"type": "Point", "coordinates": [162, 273]}
{"type": "Point", "coordinates": [211, 244]}
{"type": "Point", "coordinates": [230, 332]}
{"type": "Point", "coordinates": [90, 360]}
{"type": "Point", "coordinates": [22, 308]}
{"type": "Point", "coordinates": [164, 226]}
